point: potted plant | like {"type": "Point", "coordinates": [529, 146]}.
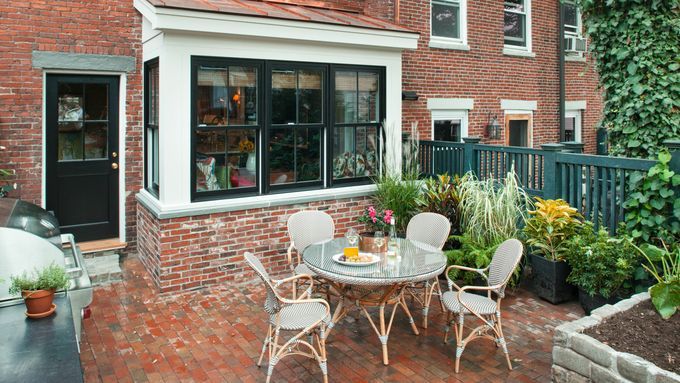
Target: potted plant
{"type": "Point", "coordinates": [377, 221]}
{"type": "Point", "coordinates": [38, 289]}
{"type": "Point", "coordinates": [546, 232]}
{"type": "Point", "coordinates": [601, 267]}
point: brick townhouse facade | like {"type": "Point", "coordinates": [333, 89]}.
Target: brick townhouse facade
{"type": "Point", "coordinates": [191, 129]}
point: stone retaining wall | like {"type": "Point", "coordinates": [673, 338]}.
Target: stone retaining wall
{"type": "Point", "coordinates": [580, 358]}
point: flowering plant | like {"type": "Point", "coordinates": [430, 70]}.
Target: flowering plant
{"type": "Point", "coordinates": [246, 146]}
{"type": "Point", "coordinates": [375, 219]}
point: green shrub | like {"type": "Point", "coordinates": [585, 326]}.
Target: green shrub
{"type": "Point", "coordinates": [665, 293]}
{"type": "Point", "coordinates": [50, 277]}
{"type": "Point", "coordinates": [400, 196]}
{"type": "Point", "coordinates": [442, 195]}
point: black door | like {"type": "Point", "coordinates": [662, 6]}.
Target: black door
{"type": "Point", "coordinates": [82, 154]}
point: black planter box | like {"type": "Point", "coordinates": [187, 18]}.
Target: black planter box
{"type": "Point", "coordinates": [590, 303]}
{"type": "Point", "coordinates": [549, 280]}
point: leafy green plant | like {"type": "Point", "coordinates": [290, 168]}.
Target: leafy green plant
{"type": "Point", "coordinates": [665, 293]}
{"type": "Point", "coordinates": [399, 196]}
{"type": "Point", "coordinates": [470, 254]}
{"type": "Point", "coordinates": [549, 227]}
{"type": "Point", "coordinates": [635, 46]}
{"type": "Point", "coordinates": [491, 211]}
{"type": "Point", "coordinates": [653, 209]}
{"type": "Point", "coordinates": [600, 264]}
{"type": "Point", "coordinates": [442, 195]}
{"type": "Point", "coordinates": [48, 278]}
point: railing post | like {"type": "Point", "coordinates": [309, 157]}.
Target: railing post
{"type": "Point", "coordinates": [551, 172]}
{"type": "Point", "coordinates": [469, 154]}
{"type": "Point", "coordinates": [674, 147]}
{"type": "Point", "coordinates": [572, 146]}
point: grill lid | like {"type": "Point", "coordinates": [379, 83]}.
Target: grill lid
{"type": "Point", "coordinates": [31, 218]}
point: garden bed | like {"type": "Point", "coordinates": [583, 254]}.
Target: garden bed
{"type": "Point", "coordinates": [641, 331]}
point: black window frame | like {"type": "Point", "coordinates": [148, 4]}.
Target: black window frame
{"type": "Point", "coordinates": [153, 188]}
{"type": "Point", "coordinates": [264, 112]}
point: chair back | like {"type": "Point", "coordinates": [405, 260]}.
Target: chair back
{"type": "Point", "coordinates": [272, 305]}
{"type": "Point", "coordinates": [430, 228]}
{"type": "Point", "coordinates": [308, 227]}
{"type": "Point", "coordinates": [504, 261]}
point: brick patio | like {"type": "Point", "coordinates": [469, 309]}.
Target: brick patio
{"type": "Point", "coordinates": [215, 334]}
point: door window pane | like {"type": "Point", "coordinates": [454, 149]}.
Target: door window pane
{"type": "Point", "coordinates": [518, 133]}
{"type": "Point", "coordinates": [446, 19]}
{"type": "Point", "coordinates": [96, 102]}
{"type": "Point", "coordinates": [447, 130]}
{"type": "Point", "coordinates": [96, 141]}
{"type": "Point", "coordinates": [345, 97]}
{"type": "Point", "coordinates": [294, 155]}
{"type": "Point", "coordinates": [70, 145]}
{"type": "Point", "coordinates": [227, 95]}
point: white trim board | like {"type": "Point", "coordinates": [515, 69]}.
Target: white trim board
{"type": "Point", "coordinates": [518, 105]}
{"type": "Point", "coordinates": [575, 105]}
{"type": "Point", "coordinates": [450, 103]}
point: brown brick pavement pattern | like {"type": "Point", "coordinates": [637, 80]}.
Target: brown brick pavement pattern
{"type": "Point", "coordinates": [215, 334]}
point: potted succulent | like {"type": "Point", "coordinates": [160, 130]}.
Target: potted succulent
{"type": "Point", "coordinates": [602, 267]}
{"type": "Point", "coordinates": [546, 233]}
{"type": "Point", "coordinates": [38, 289]}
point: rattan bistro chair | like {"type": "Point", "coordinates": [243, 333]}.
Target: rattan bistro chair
{"type": "Point", "coordinates": [306, 228]}
{"type": "Point", "coordinates": [432, 229]}
{"type": "Point", "coordinates": [303, 315]}
{"type": "Point", "coordinates": [461, 302]}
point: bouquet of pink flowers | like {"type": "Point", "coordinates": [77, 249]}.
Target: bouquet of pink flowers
{"type": "Point", "coordinates": [375, 219]}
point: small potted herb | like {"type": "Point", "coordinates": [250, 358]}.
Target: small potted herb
{"type": "Point", "coordinates": [602, 267]}
{"type": "Point", "coordinates": [38, 289]}
{"type": "Point", "coordinates": [546, 233]}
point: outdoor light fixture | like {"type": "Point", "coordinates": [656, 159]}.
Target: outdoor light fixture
{"type": "Point", "coordinates": [409, 95]}
{"type": "Point", "coordinates": [493, 130]}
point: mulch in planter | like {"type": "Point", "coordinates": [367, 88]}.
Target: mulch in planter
{"type": "Point", "coordinates": [642, 332]}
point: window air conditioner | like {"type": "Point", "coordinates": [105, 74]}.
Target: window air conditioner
{"type": "Point", "coordinates": [574, 44]}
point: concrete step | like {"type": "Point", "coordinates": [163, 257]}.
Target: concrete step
{"type": "Point", "coordinates": [104, 268]}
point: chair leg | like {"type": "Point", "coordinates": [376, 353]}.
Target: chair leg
{"type": "Point", "coordinates": [264, 345]}
{"type": "Point", "coordinates": [273, 358]}
{"type": "Point", "coordinates": [439, 292]}
{"type": "Point", "coordinates": [447, 329]}
{"type": "Point", "coordinates": [501, 339]}
{"type": "Point", "coordinates": [322, 355]}
{"type": "Point", "coordinates": [459, 340]}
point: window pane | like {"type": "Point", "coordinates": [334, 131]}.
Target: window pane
{"type": "Point", "coordinates": [225, 159]}
{"type": "Point", "coordinates": [227, 96]}
{"type": "Point", "coordinates": [569, 125]}
{"type": "Point", "coordinates": [210, 152]}
{"type": "Point", "coordinates": [368, 97]}
{"type": "Point", "coordinates": [284, 83]}
{"type": "Point", "coordinates": [294, 155]}
{"type": "Point", "coordinates": [70, 146]}
{"type": "Point", "coordinates": [311, 97]}
{"type": "Point", "coordinates": [152, 93]}
{"type": "Point", "coordinates": [570, 14]}
{"type": "Point", "coordinates": [514, 29]}
{"type": "Point", "coordinates": [96, 101]}
{"type": "Point", "coordinates": [514, 5]}
{"type": "Point", "coordinates": [445, 20]}
{"type": "Point", "coordinates": [153, 134]}
{"type": "Point", "coordinates": [345, 97]}
{"type": "Point", "coordinates": [96, 140]}
{"type": "Point", "coordinates": [518, 133]}
{"type": "Point", "coordinates": [343, 153]}
{"type": "Point", "coordinates": [366, 151]}
{"type": "Point", "coordinates": [447, 130]}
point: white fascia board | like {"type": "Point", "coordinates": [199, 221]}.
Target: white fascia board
{"type": "Point", "coordinates": [450, 103]}
{"type": "Point", "coordinates": [518, 105]}
{"type": "Point", "coordinates": [575, 105]}
{"type": "Point", "coordinates": [168, 19]}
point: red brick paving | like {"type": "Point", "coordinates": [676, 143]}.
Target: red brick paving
{"type": "Point", "coordinates": [215, 334]}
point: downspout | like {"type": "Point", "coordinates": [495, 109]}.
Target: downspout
{"type": "Point", "coordinates": [560, 60]}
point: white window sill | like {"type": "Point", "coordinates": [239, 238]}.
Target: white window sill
{"type": "Point", "coordinates": [575, 58]}
{"type": "Point", "coordinates": [448, 44]}
{"type": "Point", "coordinates": [162, 211]}
{"type": "Point", "coordinates": [517, 52]}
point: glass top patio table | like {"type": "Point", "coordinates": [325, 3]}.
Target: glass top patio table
{"type": "Point", "coordinates": [418, 262]}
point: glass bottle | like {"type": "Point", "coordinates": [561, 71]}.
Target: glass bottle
{"type": "Point", "coordinates": [393, 242]}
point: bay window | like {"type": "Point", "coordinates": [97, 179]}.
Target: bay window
{"type": "Point", "coordinates": [262, 126]}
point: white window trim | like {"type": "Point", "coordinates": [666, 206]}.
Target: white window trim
{"type": "Point", "coordinates": [513, 50]}
{"type": "Point", "coordinates": [462, 115]}
{"type": "Point", "coordinates": [450, 42]}
{"type": "Point", "coordinates": [575, 56]}
{"type": "Point", "coordinates": [578, 123]}
{"type": "Point", "coordinates": [450, 103]}
{"type": "Point", "coordinates": [518, 105]}
{"type": "Point", "coordinates": [530, 133]}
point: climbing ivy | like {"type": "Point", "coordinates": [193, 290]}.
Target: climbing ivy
{"type": "Point", "coordinates": [653, 209]}
{"type": "Point", "coordinates": [636, 48]}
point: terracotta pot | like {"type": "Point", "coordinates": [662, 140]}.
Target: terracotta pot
{"type": "Point", "coordinates": [367, 243]}
{"type": "Point", "coordinates": [38, 301]}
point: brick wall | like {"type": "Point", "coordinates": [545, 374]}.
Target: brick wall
{"type": "Point", "coordinates": [582, 84]}
{"type": "Point", "coordinates": [208, 249]}
{"type": "Point", "coordinates": [486, 75]}
{"type": "Point", "coordinates": [111, 27]}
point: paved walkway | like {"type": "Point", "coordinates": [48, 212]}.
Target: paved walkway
{"type": "Point", "coordinates": [215, 334]}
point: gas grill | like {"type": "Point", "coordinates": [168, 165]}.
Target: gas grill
{"type": "Point", "coordinates": [30, 239]}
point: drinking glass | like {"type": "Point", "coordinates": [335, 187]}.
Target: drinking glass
{"type": "Point", "coordinates": [379, 239]}
{"type": "Point", "coordinates": [352, 237]}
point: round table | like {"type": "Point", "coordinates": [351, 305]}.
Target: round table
{"type": "Point", "coordinates": [379, 284]}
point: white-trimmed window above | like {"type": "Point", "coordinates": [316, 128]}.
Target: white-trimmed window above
{"type": "Point", "coordinates": [574, 43]}
{"type": "Point", "coordinates": [448, 26]}
{"type": "Point", "coordinates": [449, 125]}
{"type": "Point", "coordinates": [517, 27]}
{"type": "Point", "coordinates": [572, 125]}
